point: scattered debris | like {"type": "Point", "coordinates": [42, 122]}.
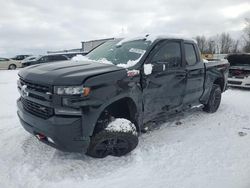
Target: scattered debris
{"type": "Point", "coordinates": [178, 123]}
{"type": "Point", "coordinates": [242, 134]}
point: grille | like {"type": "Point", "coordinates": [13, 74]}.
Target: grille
{"type": "Point", "coordinates": [35, 87]}
{"type": "Point", "coordinates": [37, 109]}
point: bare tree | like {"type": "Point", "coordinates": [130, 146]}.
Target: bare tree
{"type": "Point", "coordinates": [246, 37]}
{"type": "Point", "coordinates": [235, 46]}
{"type": "Point", "coordinates": [226, 43]}
{"type": "Point", "coordinates": [202, 43]}
{"type": "Point", "coordinates": [220, 43]}
{"type": "Point", "coordinates": [211, 46]}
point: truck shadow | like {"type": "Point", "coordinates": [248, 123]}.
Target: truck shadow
{"type": "Point", "coordinates": [50, 164]}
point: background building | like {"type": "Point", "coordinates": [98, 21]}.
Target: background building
{"type": "Point", "coordinates": [87, 46]}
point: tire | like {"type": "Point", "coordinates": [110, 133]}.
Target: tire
{"type": "Point", "coordinates": [214, 100]}
{"type": "Point", "coordinates": [114, 142]}
{"type": "Point", "coordinates": [12, 67]}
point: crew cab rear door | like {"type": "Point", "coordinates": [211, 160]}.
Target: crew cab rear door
{"type": "Point", "coordinates": [195, 74]}
{"type": "Point", "coordinates": [163, 88]}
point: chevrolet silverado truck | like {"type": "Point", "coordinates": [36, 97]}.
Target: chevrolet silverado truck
{"type": "Point", "coordinates": [239, 71]}
{"type": "Point", "coordinates": [102, 103]}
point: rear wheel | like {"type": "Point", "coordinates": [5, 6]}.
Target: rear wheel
{"type": "Point", "coordinates": [117, 139]}
{"type": "Point", "coordinates": [214, 100]}
{"type": "Point", "coordinates": [12, 67]}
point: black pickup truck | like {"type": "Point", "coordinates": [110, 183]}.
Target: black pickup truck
{"type": "Point", "coordinates": [101, 105]}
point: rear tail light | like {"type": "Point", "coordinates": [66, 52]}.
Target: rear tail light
{"type": "Point", "coordinates": [238, 72]}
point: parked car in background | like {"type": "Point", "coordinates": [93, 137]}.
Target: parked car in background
{"type": "Point", "coordinates": [28, 61]}
{"type": "Point", "coordinates": [239, 71]}
{"type": "Point", "coordinates": [44, 59]}
{"type": "Point", "coordinates": [10, 64]}
{"type": "Point", "coordinates": [20, 57]}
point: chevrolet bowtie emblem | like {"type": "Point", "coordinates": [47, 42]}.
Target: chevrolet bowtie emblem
{"type": "Point", "coordinates": [24, 91]}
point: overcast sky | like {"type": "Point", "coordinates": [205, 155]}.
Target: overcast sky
{"type": "Point", "coordinates": [35, 26]}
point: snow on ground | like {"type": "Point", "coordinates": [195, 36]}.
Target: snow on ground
{"type": "Point", "coordinates": [197, 150]}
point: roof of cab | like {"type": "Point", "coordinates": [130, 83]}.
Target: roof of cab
{"type": "Point", "coordinates": [153, 38]}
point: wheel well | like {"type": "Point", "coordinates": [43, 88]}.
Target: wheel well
{"type": "Point", "coordinates": [220, 82]}
{"type": "Point", "coordinates": [123, 108]}
{"type": "Point", "coordinates": [11, 64]}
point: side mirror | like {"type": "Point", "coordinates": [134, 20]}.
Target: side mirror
{"type": "Point", "coordinates": [154, 68]}
{"type": "Point", "coordinates": [148, 69]}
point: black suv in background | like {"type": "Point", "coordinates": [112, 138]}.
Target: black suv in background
{"type": "Point", "coordinates": [44, 59]}
{"type": "Point", "coordinates": [72, 54]}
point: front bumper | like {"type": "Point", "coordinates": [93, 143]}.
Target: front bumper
{"type": "Point", "coordinates": [239, 82]}
{"type": "Point", "coordinates": [66, 132]}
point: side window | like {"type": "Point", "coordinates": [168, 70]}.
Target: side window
{"type": "Point", "coordinates": [50, 58]}
{"type": "Point", "coordinates": [19, 57]}
{"type": "Point", "coordinates": [191, 57]}
{"type": "Point", "coordinates": [70, 55]}
{"type": "Point", "coordinates": [60, 58]}
{"type": "Point", "coordinates": [44, 59]}
{"type": "Point", "coordinates": [169, 53]}
{"type": "Point", "coordinates": [65, 58]}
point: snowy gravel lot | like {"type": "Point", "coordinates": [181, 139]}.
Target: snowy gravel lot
{"type": "Point", "coordinates": [203, 151]}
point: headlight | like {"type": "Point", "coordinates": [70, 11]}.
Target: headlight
{"type": "Point", "coordinates": [71, 90]}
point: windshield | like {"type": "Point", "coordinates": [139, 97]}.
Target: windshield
{"type": "Point", "coordinates": [125, 54]}
{"type": "Point", "coordinates": [239, 60]}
